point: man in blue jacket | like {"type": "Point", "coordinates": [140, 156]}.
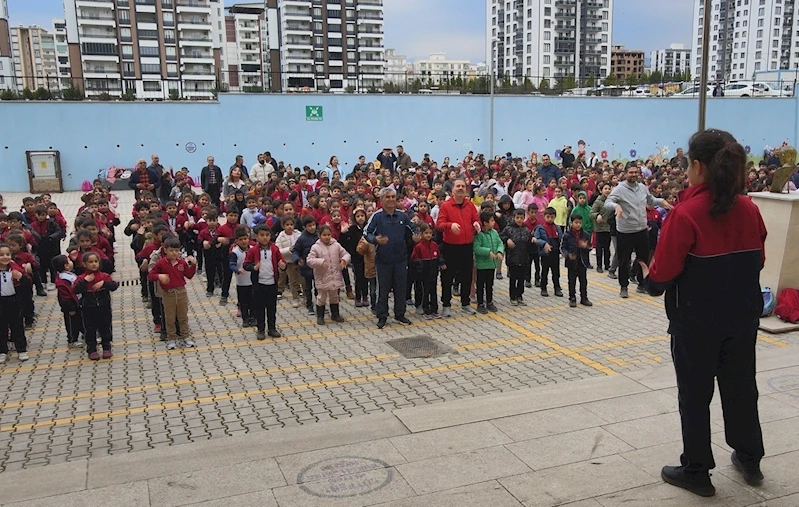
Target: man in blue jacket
{"type": "Point", "coordinates": [144, 178]}
{"type": "Point", "coordinates": [548, 171]}
{"type": "Point", "coordinates": [389, 229]}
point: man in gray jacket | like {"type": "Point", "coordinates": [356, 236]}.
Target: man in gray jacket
{"type": "Point", "coordinates": [630, 199]}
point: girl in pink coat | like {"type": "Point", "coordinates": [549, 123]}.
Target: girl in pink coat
{"type": "Point", "coordinates": [327, 259]}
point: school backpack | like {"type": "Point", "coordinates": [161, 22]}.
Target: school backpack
{"type": "Point", "coordinates": [788, 305]}
{"type": "Point", "coordinates": [86, 186]}
{"type": "Point", "coordinates": [769, 302]}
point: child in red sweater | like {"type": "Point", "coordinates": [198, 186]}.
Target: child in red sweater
{"type": "Point", "coordinates": [172, 272]}
{"type": "Point", "coordinates": [67, 300]}
{"type": "Point", "coordinates": [95, 287]}
{"type": "Point", "coordinates": [426, 260]}
{"type": "Point", "coordinates": [12, 280]}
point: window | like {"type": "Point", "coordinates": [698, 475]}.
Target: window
{"type": "Point", "coordinates": [169, 36]}
{"type": "Point", "coordinates": [124, 34]}
{"type": "Point", "coordinates": [94, 48]}
{"type": "Point", "coordinates": [169, 19]}
{"type": "Point", "coordinates": [172, 69]}
{"type": "Point", "coordinates": [320, 69]}
{"type": "Point", "coordinates": [319, 55]}
{"type": "Point", "coordinates": [127, 51]}
{"type": "Point", "coordinates": [171, 54]}
{"type": "Point", "coordinates": [128, 69]}
{"type": "Point", "coordinates": [148, 51]}
{"type": "Point", "coordinates": [546, 59]}
{"type": "Point", "coordinates": [152, 86]}
{"type": "Point", "coordinates": [150, 68]}
{"type": "Point", "coordinates": [317, 12]}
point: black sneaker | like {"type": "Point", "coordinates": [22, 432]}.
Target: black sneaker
{"type": "Point", "coordinates": [528, 284]}
{"type": "Point", "coordinates": [260, 336]}
{"type": "Point", "coordinates": [491, 307]}
{"type": "Point", "coordinates": [209, 294]}
{"type": "Point", "coordinates": [456, 291]}
{"type": "Point", "coordinates": [612, 275]}
{"type": "Point", "coordinates": [273, 333]}
{"type": "Point", "coordinates": [697, 483]}
{"type": "Point", "coordinates": [558, 292]}
{"type": "Point", "coordinates": [403, 320]}
{"type": "Point", "coordinates": [640, 289]}
{"type": "Point", "coordinates": [311, 310]}
{"type": "Point", "coordinates": [751, 471]}
{"type": "Point", "coordinates": [599, 270]}
{"type": "Point", "coordinates": [381, 323]}
{"type": "Point", "coordinates": [623, 293]}
{"type": "Point", "coordinates": [586, 302]}
{"type": "Point", "coordinates": [482, 309]}
{"type": "Point", "coordinates": [572, 303]}
{"type": "Point", "coordinates": [544, 293]}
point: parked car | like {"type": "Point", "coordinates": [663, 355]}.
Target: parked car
{"type": "Point", "coordinates": [693, 91]}
{"type": "Point", "coordinates": [750, 90]}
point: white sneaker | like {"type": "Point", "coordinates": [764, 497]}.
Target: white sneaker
{"type": "Point", "coordinates": [99, 339]}
{"type": "Point", "coordinates": [469, 310]}
{"type": "Point", "coordinates": [3, 358]}
{"type": "Point", "coordinates": [295, 304]}
{"type": "Point", "coordinates": [22, 356]}
{"type": "Point", "coordinates": [50, 287]}
{"type": "Point", "coordinates": [75, 345]}
{"type": "Point", "coordinates": [446, 312]}
{"type": "Point", "coordinates": [189, 343]}
{"type": "Point", "coordinates": [171, 345]}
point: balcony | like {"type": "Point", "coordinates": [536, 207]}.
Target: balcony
{"type": "Point", "coordinates": [564, 39]}
{"type": "Point", "coordinates": [592, 28]}
{"type": "Point", "coordinates": [564, 14]}
{"type": "Point", "coordinates": [97, 34]}
{"type": "Point", "coordinates": [298, 43]}
{"type": "Point", "coordinates": [369, 4]}
{"type": "Point", "coordinates": [593, 5]}
{"type": "Point", "coordinates": [194, 23]}
{"type": "Point", "coordinates": [565, 3]}
{"type": "Point", "coordinates": [297, 14]}
{"type": "Point", "coordinates": [298, 28]}
{"type": "Point", "coordinates": [96, 19]}
{"type": "Point", "coordinates": [189, 6]}
{"type": "Point", "coordinates": [566, 49]}
{"type": "Point", "coordinates": [95, 4]}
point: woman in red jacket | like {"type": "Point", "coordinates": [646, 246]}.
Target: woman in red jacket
{"type": "Point", "coordinates": [708, 262]}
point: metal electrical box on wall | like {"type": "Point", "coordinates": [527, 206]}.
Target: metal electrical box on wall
{"type": "Point", "coordinates": [44, 171]}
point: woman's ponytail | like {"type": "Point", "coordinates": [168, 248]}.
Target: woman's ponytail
{"type": "Point", "coordinates": [725, 160]}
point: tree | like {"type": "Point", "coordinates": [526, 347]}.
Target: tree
{"type": "Point", "coordinates": [591, 81]}
{"type": "Point", "coordinates": [42, 94]}
{"type": "Point", "coordinates": [173, 95]}
{"type": "Point", "coordinates": [105, 97]}
{"type": "Point", "coordinates": [543, 86]}
{"type": "Point", "coordinates": [528, 85]}
{"type": "Point", "coordinates": [655, 77]}
{"type": "Point", "coordinates": [73, 93]}
{"type": "Point", "coordinates": [632, 80]}
{"type": "Point", "coordinates": [130, 96]}
{"type": "Point", "coordinates": [27, 94]}
{"type": "Point", "coordinates": [8, 94]}
{"type": "Point", "coordinates": [611, 80]}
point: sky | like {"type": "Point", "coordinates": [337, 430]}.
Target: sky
{"type": "Point", "coordinates": [416, 28]}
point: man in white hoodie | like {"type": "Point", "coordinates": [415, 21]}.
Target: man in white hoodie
{"type": "Point", "coordinates": [261, 170]}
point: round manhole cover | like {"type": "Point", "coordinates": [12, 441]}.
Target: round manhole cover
{"type": "Point", "coordinates": [345, 477]}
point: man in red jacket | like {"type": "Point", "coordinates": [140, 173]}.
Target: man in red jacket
{"type": "Point", "coordinates": [458, 222]}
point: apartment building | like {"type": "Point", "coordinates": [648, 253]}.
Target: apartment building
{"type": "Point", "coordinates": [62, 53]}
{"type": "Point", "coordinates": [625, 63]}
{"type": "Point", "coordinates": [7, 79]}
{"type": "Point", "coordinates": [396, 67]}
{"type": "Point", "coordinates": [747, 37]}
{"type": "Point", "coordinates": [147, 47]}
{"type": "Point", "coordinates": [670, 62]}
{"type": "Point", "coordinates": [252, 48]}
{"type": "Point", "coordinates": [331, 45]}
{"type": "Point", "coordinates": [545, 39]}
{"type": "Point", "coordinates": [437, 69]}
{"type": "Point", "coordinates": [33, 53]}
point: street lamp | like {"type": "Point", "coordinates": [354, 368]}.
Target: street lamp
{"type": "Point", "coordinates": [705, 57]}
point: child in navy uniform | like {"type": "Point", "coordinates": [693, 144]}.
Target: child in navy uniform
{"type": "Point", "coordinates": [95, 287]}
{"type": "Point", "coordinates": [547, 236]}
{"type": "Point", "coordinates": [67, 300]}
{"type": "Point", "coordinates": [243, 278]}
{"type": "Point", "coordinates": [576, 246]}
{"type": "Point", "coordinates": [264, 262]}
{"type": "Point", "coordinates": [518, 241]}
{"type": "Point", "coordinates": [426, 260]}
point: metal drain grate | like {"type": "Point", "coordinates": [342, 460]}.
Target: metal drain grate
{"type": "Point", "coordinates": [421, 346]}
{"type": "Point", "coordinates": [129, 283]}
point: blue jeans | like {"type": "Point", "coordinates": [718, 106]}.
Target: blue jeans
{"type": "Point", "coordinates": [391, 276]}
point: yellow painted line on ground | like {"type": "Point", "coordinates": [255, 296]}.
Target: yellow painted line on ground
{"type": "Point", "coordinates": [554, 346]}
{"type": "Point", "coordinates": [621, 343]}
{"type": "Point", "coordinates": [773, 341]}
{"type": "Point", "coordinates": [651, 301]}
{"type": "Point", "coordinates": [275, 390]}
{"type": "Point", "coordinates": [617, 361]}
{"type": "Point", "coordinates": [193, 381]}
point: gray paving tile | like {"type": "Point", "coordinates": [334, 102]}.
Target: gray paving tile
{"type": "Point", "coordinates": [652, 459]}
{"type": "Point", "coordinates": [769, 409]}
{"type": "Point", "coordinates": [445, 441]}
{"type": "Point", "coordinates": [786, 501]}
{"type": "Point", "coordinates": [578, 481]}
{"type": "Point", "coordinates": [338, 461]}
{"type": "Point", "coordinates": [780, 474]}
{"type": "Point", "coordinates": [356, 490]}
{"type": "Point", "coordinates": [40, 482]}
{"type": "Point", "coordinates": [515, 403]}
{"type": "Point", "coordinates": [438, 474]}
{"type": "Point", "coordinates": [557, 450]}
{"type": "Point", "coordinates": [635, 406]}
{"type": "Point", "coordinates": [778, 436]}
{"type": "Point", "coordinates": [257, 499]}
{"type": "Point", "coordinates": [728, 494]}
{"type": "Point", "coordinates": [220, 482]}
{"type": "Point", "coordinates": [130, 495]}
{"type": "Point", "coordinates": [548, 422]}
{"type": "Point", "coordinates": [485, 494]}
{"type": "Point", "coordinates": [650, 431]}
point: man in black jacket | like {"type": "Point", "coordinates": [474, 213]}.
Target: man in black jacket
{"type": "Point", "coordinates": [211, 180]}
{"type": "Point", "coordinates": [566, 157]}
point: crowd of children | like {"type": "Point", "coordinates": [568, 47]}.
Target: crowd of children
{"type": "Point", "coordinates": [301, 235]}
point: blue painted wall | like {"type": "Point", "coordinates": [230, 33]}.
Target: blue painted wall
{"type": "Point", "coordinates": [93, 136]}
